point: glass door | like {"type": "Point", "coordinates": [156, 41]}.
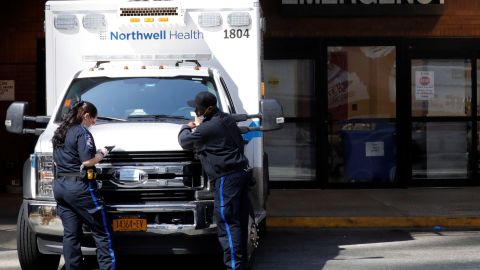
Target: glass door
{"type": "Point", "coordinates": [291, 150]}
{"type": "Point", "coordinates": [441, 95]}
{"type": "Point", "coordinates": [361, 114]}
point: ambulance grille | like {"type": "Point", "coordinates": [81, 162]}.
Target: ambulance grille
{"type": "Point", "coordinates": [139, 12]}
{"type": "Point", "coordinates": [129, 196]}
{"type": "Point", "coordinates": [148, 156]}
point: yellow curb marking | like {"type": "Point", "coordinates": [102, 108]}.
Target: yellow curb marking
{"type": "Point", "coordinates": [371, 222]}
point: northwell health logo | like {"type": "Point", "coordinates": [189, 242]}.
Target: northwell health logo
{"type": "Point", "coordinates": [159, 35]}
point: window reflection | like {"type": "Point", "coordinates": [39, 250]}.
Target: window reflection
{"type": "Point", "coordinates": [291, 150]}
{"type": "Point", "coordinates": [441, 87]}
{"type": "Point", "coordinates": [440, 150]}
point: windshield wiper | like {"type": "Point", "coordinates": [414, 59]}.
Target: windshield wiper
{"type": "Point", "coordinates": [108, 118]}
{"type": "Point", "coordinates": [158, 116]}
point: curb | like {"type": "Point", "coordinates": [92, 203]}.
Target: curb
{"type": "Point", "coordinates": [373, 222]}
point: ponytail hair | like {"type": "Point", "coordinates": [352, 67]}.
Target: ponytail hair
{"type": "Point", "coordinates": [74, 116]}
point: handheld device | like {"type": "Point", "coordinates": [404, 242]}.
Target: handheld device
{"type": "Point", "coordinates": [110, 147]}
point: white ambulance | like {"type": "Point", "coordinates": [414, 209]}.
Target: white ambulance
{"type": "Point", "coordinates": [140, 62]}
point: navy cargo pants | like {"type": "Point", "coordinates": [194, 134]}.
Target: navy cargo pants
{"type": "Point", "coordinates": [78, 203]}
{"type": "Point", "coordinates": [232, 207]}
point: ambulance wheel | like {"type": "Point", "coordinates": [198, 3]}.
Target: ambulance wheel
{"type": "Point", "coordinates": [253, 237]}
{"type": "Point", "coordinates": [28, 254]}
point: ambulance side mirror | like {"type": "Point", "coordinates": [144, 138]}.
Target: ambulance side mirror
{"type": "Point", "coordinates": [14, 118]}
{"type": "Point", "coordinates": [272, 115]}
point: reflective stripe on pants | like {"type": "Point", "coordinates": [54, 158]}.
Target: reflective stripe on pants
{"type": "Point", "coordinates": [231, 210]}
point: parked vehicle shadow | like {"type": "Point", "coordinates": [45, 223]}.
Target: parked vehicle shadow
{"type": "Point", "coordinates": [310, 249]}
{"type": "Point", "coordinates": [280, 249]}
{"type": "Point", "coordinates": [177, 262]}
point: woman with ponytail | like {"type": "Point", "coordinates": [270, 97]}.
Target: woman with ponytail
{"type": "Point", "coordinates": [75, 187]}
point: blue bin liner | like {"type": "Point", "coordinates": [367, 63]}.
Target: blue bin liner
{"type": "Point", "coordinates": [362, 168]}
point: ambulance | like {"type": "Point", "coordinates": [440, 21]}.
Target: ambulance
{"type": "Point", "coordinates": [139, 62]}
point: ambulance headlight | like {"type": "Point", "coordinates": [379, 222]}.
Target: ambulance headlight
{"type": "Point", "coordinates": [211, 19]}
{"type": "Point", "coordinates": [239, 19]}
{"type": "Point", "coordinates": [45, 176]}
{"type": "Point", "coordinates": [94, 22]}
{"type": "Point", "coordinates": [66, 22]}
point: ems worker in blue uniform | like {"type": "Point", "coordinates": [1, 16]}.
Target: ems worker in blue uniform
{"type": "Point", "coordinates": [219, 144]}
{"type": "Point", "coordinates": [75, 190]}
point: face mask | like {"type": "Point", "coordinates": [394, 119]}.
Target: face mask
{"type": "Point", "coordinates": [88, 126]}
{"type": "Point", "coordinates": [199, 119]}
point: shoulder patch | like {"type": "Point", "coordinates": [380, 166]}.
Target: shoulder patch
{"type": "Point", "coordinates": [88, 140]}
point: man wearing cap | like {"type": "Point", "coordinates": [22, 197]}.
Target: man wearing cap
{"type": "Point", "coordinates": [219, 144]}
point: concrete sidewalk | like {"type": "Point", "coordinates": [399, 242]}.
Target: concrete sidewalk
{"type": "Point", "coordinates": [350, 208]}
{"type": "Point", "coordinates": [376, 208]}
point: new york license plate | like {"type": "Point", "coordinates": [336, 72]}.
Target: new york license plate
{"type": "Point", "coordinates": [129, 224]}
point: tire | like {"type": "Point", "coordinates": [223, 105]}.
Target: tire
{"type": "Point", "coordinates": [28, 254]}
{"type": "Point", "coordinates": [252, 242]}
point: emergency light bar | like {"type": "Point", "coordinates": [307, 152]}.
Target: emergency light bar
{"type": "Point", "coordinates": [158, 13]}
{"type": "Point", "coordinates": [211, 19]}
{"type": "Point", "coordinates": [66, 22]}
{"type": "Point", "coordinates": [94, 21]}
{"type": "Point", "coordinates": [239, 19]}
{"type": "Point", "coordinates": [147, 57]}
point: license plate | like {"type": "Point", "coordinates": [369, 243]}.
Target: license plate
{"type": "Point", "coordinates": [129, 224]}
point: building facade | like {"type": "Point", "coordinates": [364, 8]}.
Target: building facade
{"type": "Point", "coordinates": [21, 79]}
{"type": "Point", "coordinates": [377, 93]}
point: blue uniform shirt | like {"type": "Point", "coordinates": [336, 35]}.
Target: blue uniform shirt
{"type": "Point", "coordinates": [219, 144]}
{"type": "Point", "coordinates": [78, 147]}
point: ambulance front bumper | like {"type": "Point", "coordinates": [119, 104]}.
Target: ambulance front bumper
{"type": "Point", "coordinates": [43, 218]}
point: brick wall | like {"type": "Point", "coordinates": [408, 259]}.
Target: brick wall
{"type": "Point", "coordinates": [460, 19]}
{"type": "Point", "coordinates": [21, 25]}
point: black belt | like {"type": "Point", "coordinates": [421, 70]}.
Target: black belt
{"type": "Point", "coordinates": [69, 174]}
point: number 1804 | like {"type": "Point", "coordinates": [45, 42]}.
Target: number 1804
{"type": "Point", "coordinates": [236, 33]}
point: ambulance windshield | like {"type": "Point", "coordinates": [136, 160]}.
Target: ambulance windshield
{"type": "Point", "coordinates": [138, 99]}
